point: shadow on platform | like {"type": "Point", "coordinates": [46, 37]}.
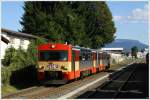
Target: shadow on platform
{"type": "Point", "coordinates": [136, 87]}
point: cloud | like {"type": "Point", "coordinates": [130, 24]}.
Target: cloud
{"type": "Point", "coordinates": [138, 15]}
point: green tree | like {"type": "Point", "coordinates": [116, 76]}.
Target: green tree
{"type": "Point", "coordinates": [86, 24]}
{"type": "Point", "coordinates": [32, 52]}
{"type": "Point", "coordinates": [98, 23]}
{"type": "Point", "coordinates": [134, 51]}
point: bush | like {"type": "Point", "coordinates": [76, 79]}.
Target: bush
{"type": "Point", "coordinates": [8, 56]}
{"type": "Point", "coordinates": [5, 73]}
{"type": "Point", "coordinates": [20, 64]}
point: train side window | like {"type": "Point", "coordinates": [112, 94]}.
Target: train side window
{"type": "Point", "coordinates": [86, 56]}
{"type": "Point", "coordinates": [90, 56]}
{"type": "Point", "coordinates": [82, 56]}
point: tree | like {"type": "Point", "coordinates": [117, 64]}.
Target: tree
{"type": "Point", "coordinates": [134, 51]}
{"type": "Point", "coordinates": [98, 23]}
{"type": "Point", "coordinates": [87, 24]}
{"type": "Point", "coordinates": [32, 52]}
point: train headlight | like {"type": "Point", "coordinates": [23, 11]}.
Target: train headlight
{"type": "Point", "coordinates": [53, 46]}
{"type": "Point", "coordinates": [41, 67]}
{"type": "Point", "coordinates": [63, 67]}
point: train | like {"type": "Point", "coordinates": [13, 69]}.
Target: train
{"type": "Point", "coordinates": [61, 63]}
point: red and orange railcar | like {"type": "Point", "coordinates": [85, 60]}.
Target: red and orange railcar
{"type": "Point", "coordinates": [60, 63]}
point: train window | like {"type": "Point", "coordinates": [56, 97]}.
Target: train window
{"type": "Point", "coordinates": [53, 56]}
{"type": "Point", "coordinates": [83, 56]}
{"type": "Point", "coordinates": [89, 56]}
{"type": "Point", "coordinates": [80, 57]}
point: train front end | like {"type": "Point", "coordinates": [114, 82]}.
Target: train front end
{"type": "Point", "coordinates": [54, 62]}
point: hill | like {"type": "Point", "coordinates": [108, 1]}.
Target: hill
{"type": "Point", "coordinates": [127, 44]}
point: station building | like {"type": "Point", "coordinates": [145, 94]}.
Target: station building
{"type": "Point", "coordinates": [115, 53]}
{"type": "Point", "coordinates": [113, 50]}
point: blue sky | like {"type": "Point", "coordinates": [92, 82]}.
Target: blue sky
{"type": "Point", "coordinates": [131, 18]}
{"type": "Point", "coordinates": [11, 13]}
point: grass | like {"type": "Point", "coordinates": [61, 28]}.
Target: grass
{"type": "Point", "coordinates": [6, 89]}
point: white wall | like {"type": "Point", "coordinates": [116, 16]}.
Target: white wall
{"type": "Point", "coordinates": [16, 43]}
{"type": "Point", "coordinates": [2, 49]}
{"type": "Point", "coordinates": [26, 43]}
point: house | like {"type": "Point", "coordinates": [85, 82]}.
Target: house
{"type": "Point", "coordinates": [14, 39]}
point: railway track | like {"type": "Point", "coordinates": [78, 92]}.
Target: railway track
{"type": "Point", "coordinates": [54, 91]}
{"type": "Point", "coordinates": [51, 91]}
{"type": "Point", "coordinates": [121, 84]}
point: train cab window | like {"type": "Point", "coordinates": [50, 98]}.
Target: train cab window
{"type": "Point", "coordinates": [53, 55]}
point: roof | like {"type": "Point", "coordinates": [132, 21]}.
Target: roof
{"type": "Point", "coordinates": [4, 39]}
{"type": "Point", "coordinates": [78, 47]}
{"type": "Point", "coordinates": [18, 34]}
{"type": "Point", "coordinates": [112, 49]}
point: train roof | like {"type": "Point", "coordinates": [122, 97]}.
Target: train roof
{"type": "Point", "coordinates": [84, 48]}
{"type": "Point", "coordinates": [77, 47]}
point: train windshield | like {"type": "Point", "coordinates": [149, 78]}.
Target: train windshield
{"type": "Point", "coordinates": [53, 56]}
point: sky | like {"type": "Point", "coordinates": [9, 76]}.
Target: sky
{"type": "Point", "coordinates": [131, 18]}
